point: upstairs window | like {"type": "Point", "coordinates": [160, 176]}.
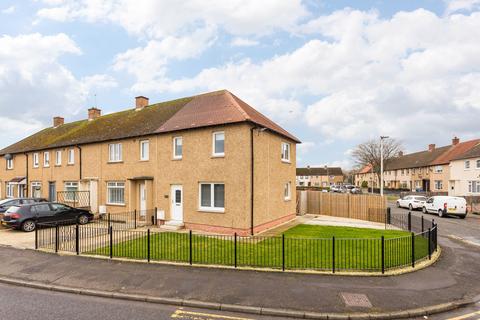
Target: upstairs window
{"type": "Point", "coordinates": [144, 150]}
{"type": "Point", "coordinates": [58, 158]}
{"type": "Point", "coordinates": [35, 160]}
{"type": "Point", "coordinates": [285, 152]}
{"type": "Point", "coordinates": [46, 159]}
{"type": "Point", "coordinates": [71, 156]}
{"type": "Point", "coordinates": [218, 144]}
{"type": "Point", "coordinates": [115, 152]}
{"type": "Point", "coordinates": [10, 164]}
{"type": "Point", "coordinates": [467, 164]}
{"type": "Point", "coordinates": [478, 164]}
{"type": "Point", "coordinates": [438, 169]}
{"type": "Point", "coordinates": [177, 148]}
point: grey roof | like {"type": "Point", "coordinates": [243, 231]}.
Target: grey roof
{"type": "Point", "coordinates": [333, 171]}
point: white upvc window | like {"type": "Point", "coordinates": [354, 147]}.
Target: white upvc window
{"type": "Point", "coordinates": [218, 146]}
{"type": "Point", "coordinates": [177, 148]}
{"type": "Point", "coordinates": [36, 189]}
{"type": "Point", "coordinates": [478, 164]}
{"type": "Point", "coordinates": [116, 193]}
{"type": "Point", "coordinates": [438, 184]}
{"type": "Point", "coordinates": [46, 159]}
{"type": "Point", "coordinates": [10, 163]}
{"type": "Point", "coordinates": [285, 152]}
{"type": "Point", "coordinates": [473, 186]}
{"type": "Point", "coordinates": [144, 150]}
{"type": "Point", "coordinates": [212, 197]}
{"type": "Point", "coordinates": [58, 157]}
{"type": "Point", "coordinates": [438, 169]}
{"type": "Point", "coordinates": [10, 190]}
{"type": "Point", "coordinates": [467, 164]}
{"type": "Point", "coordinates": [287, 191]}
{"type": "Point", "coordinates": [71, 187]}
{"type": "Point", "coordinates": [35, 160]}
{"type": "Point", "coordinates": [71, 156]}
{"type": "Point", "coordinates": [115, 152]}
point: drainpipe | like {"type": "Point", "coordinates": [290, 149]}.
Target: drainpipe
{"type": "Point", "coordinates": [80, 161]}
{"type": "Point", "coordinates": [26, 174]}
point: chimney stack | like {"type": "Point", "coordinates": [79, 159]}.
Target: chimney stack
{"type": "Point", "coordinates": [431, 147]}
{"type": "Point", "coordinates": [94, 113]}
{"type": "Point", "coordinates": [58, 121]}
{"type": "Point", "coordinates": [455, 141]}
{"type": "Point", "coordinates": [140, 102]}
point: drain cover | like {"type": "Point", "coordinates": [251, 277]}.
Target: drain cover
{"type": "Point", "coordinates": [356, 300]}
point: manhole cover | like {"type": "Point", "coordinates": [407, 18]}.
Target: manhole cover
{"type": "Point", "coordinates": [356, 300]}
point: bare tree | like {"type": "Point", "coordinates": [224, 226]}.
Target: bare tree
{"type": "Point", "coordinates": [368, 153]}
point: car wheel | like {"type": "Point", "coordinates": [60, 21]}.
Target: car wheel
{"type": "Point", "coordinates": [424, 210]}
{"type": "Point", "coordinates": [83, 219]}
{"type": "Point", "coordinates": [28, 226]}
{"type": "Point", "coordinates": [410, 207]}
{"type": "Point", "coordinates": [440, 213]}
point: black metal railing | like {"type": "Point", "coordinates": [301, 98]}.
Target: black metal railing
{"type": "Point", "coordinates": [121, 240]}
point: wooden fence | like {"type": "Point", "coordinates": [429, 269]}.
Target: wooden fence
{"type": "Point", "coordinates": [362, 206]}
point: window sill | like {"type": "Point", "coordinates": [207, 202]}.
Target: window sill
{"type": "Point", "coordinates": [114, 162]}
{"type": "Point", "coordinates": [287, 199]}
{"type": "Point", "coordinates": [211, 210]}
{"type": "Point", "coordinates": [218, 155]}
{"type": "Point", "coordinates": [57, 165]}
{"type": "Point", "coordinates": [70, 164]}
{"type": "Point", "coordinates": [176, 158]}
{"type": "Point", "coordinates": [286, 161]}
{"type": "Point", "coordinates": [141, 160]}
{"type": "Point", "coordinates": [116, 204]}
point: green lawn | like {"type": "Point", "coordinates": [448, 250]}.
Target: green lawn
{"type": "Point", "coordinates": [305, 247]}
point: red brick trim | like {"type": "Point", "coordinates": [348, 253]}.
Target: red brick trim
{"type": "Point", "coordinates": [239, 231]}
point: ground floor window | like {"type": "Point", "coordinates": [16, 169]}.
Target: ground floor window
{"type": "Point", "coordinates": [438, 184]}
{"type": "Point", "coordinates": [116, 192]}
{"type": "Point", "coordinates": [473, 186]}
{"type": "Point", "coordinates": [71, 189]}
{"type": "Point", "coordinates": [287, 193]}
{"type": "Point", "coordinates": [10, 190]}
{"type": "Point", "coordinates": [21, 191]}
{"type": "Point", "coordinates": [212, 197]}
{"type": "Point", "coordinates": [36, 189]}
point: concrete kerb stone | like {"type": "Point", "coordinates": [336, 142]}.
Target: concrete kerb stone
{"type": "Point", "coordinates": [201, 304]}
{"type": "Point", "coordinates": [239, 308]}
{"type": "Point", "coordinates": [282, 313]}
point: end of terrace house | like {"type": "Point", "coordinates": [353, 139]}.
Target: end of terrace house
{"type": "Point", "coordinates": [208, 162]}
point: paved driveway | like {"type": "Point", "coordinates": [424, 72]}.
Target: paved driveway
{"type": "Point", "coordinates": [17, 239]}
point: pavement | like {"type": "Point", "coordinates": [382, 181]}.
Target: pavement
{"type": "Point", "coordinates": [454, 277]}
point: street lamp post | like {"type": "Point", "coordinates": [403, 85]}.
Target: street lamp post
{"type": "Point", "coordinates": [328, 176]}
{"type": "Point", "coordinates": [381, 163]}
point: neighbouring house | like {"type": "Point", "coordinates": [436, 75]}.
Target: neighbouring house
{"type": "Point", "coordinates": [208, 162]}
{"type": "Point", "coordinates": [319, 177]}
{"type": "Point", "coordinates": [465, 173]}
{"type": "Point", "coordinates": [366, 176]}
{"type": "Point", "coordinates": [428, 170]}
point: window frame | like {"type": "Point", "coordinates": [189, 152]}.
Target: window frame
{"type": "Point", "coordinates": [438, 169]}
{"type": "Point", "coordinates": [70, 184]}
{"type": "Point", "coordinates": [477, 164]}
{"type": "Point", "coordinates": [58, 157]}
{"type": "Point", "coordinates": [175, 139]}
{"type": "Point", "coordinates": [10, 190]}
{"type": "Point", "coordinates": [438, 183]}
{"type": "Point", "coordinates": [115, 147]}
{"type": "Point", "coordinates": [115, 185]}
{"type": "Point", "coordinates": [466, 165]}
{"type": "Point", "coordinates": [46, 159]}
{"type": "Point", "coordinates": [145, 156]}
{"type": "Point", "coordinates": [287, 191]}
{"type": "Point", "coordinates": [33, 185]}
{"type": "Point", "coordinates": [474, 186]}
{"type": "Point", "coordinates": [212, 207]}
{"type": "Point", "coordinates": [71, 156]}
{"type": "Point", "coordinates": [289, 150]}
{"type": "Point", "coordinates": [36, 161]}
{"type": "Point", "coordinates": [214, 135]}
{"type": "Point", "coordinates": [10, 164]}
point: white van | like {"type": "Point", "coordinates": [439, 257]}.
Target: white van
{"type": "Point", "coordinates": [444, 205]}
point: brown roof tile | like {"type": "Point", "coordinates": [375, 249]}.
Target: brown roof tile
{"type": "Point", "coordinates": [455, 151]}
{"type": "Point", "coordinates": [333, 171]}
{"type": "Point", "coordinates": [473, 152]}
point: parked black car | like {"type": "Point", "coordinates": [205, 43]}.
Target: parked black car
{"type": "Point", "coordinates": [7, 203]}
{"type": "Point", "coordinates": [27, 217]}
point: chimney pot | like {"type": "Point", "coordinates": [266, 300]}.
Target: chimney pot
{"type": "Point", "coordinates": [94, 113]}
{"type": "Point", "coordinates": [140, 102]}
{"type": "Point", "coordinates": [58, 121]}
{"type": "Point", "coordinates": [455, 141]}
{"type": "Point", "coordinates": [431, 147]}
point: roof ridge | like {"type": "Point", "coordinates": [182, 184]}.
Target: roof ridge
{"type": "Point", "coordinates": [237, 105]}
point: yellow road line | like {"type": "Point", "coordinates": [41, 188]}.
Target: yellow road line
{"type": "Point", "coordinates": [205, 316]}
{"type": "Point", "coordinates": [465, 316]}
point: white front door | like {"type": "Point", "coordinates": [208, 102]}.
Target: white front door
{"type": "Point", "coordinates": [176, 198]}
{"type": "Point", "coordinates": [143, 199]}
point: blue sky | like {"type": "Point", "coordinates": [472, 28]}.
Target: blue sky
{"type": "Point", "coordinates": [334, 73]}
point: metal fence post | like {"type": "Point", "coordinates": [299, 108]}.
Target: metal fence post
{"type": "Point", "coordinates": [135, 219]}
{"type": "Point", "coordinates": [429, 243]}
{"type": "Point", "coordinates": [283, 252]}
{"type": "Point", "coordinates": [333, 254]}
{"type": "Point", "coordinates": [383, 254]}
{"type": "Point", "coordinates": [190, 248]}
{"type": "Point", "coordinates": [109, 220]}
{"type": "Point", "coordinates": [111, 242]}
{"type": "Point", "coordinates": [413, 250]}
{"type": "Point", "coordinates": [422, 224]}
{"type": "Point", "coordinates": [156, 216]}
{"type": "Point", "coordinates": [235, 249]}
{"type": "Point", "coordinates": [409, 221]}
{"type": "Point", "coordinates": [148, 245]}
{"type": "Point", "coordinates": [56, 238]}
{"type": "Point", "coordinates": [77, 240]}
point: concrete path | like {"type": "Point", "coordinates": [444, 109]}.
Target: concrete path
{"type": "Point", "coordinates": [341, 222]}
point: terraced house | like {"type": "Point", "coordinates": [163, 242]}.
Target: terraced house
{"type": "Point", "coordinates": [208, 162]}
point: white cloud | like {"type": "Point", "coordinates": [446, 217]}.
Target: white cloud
{"type": "Point", "coordinates": [243, 42]}
{"type": "Point", "coordinates": [461, 5]}
{"type": "Point", "coordinates": [9, 10]}
{"type": "Point", "coordinates": [35, 86]}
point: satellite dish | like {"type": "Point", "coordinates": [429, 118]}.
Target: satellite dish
{"type": "Point", "coordinates": [8, 156]}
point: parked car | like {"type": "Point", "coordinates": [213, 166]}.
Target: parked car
{"type": "Point", "coordinates": [412, 202]}
{"type": "Point", "coordinates": [445, 205]}
{"type": "Point", "coordinates": [350, 188]}
{"type": "Point", "coordinates": [27, 217]}
{"type": "Point", "coordinates": [335, 188]}
{"type": "Point", "coordinates": [7, 203]}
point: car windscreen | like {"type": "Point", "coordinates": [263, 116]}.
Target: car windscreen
{"type": "Point", "coordinates": [421, 198]}
{"type": "Point", "coordinates": [4, 201]}
{"type": "Point", "coordinates": [12, 209]}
